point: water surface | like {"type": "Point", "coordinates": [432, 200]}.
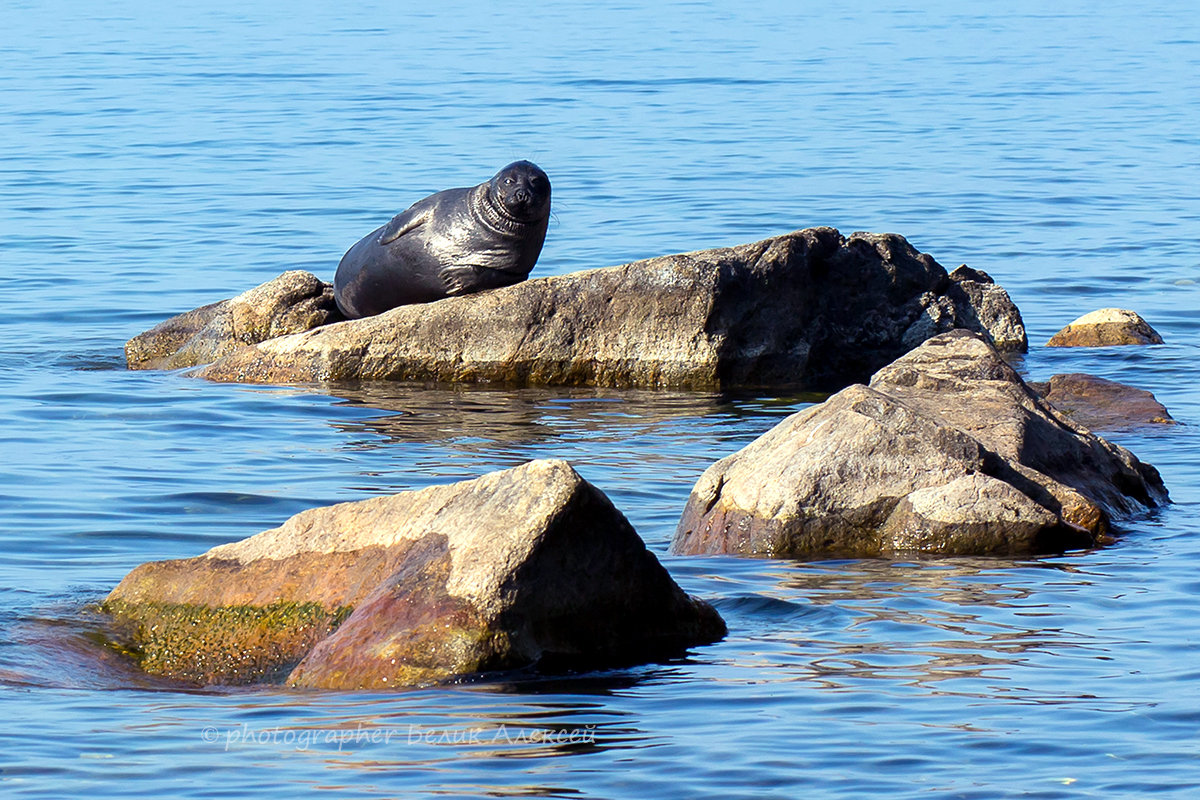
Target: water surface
{"type": "Point", "coordinates": [155, 160]}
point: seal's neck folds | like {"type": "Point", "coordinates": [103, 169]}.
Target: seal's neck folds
{"type": "Point", "coordinates": [492, 214]}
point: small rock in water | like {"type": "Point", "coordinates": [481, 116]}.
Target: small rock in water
{"type": "Point", "coordinates": [1101, 404]}
{"type": "Point", "coordinates": [1104, 328]}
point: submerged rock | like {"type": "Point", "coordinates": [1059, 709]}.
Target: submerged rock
{"type": "Point", "coordinates": [295, 301]}
{"type": "Point", "coordinates": [1106, 327]}
{"type": "Point", "coordinates": [1101, 404]}
{"type": "Point", "coordinates": [946, 451]}
{"type": "Point", "coordinates": [528, 565]}
{"type": "Point", "coordinates": [809, 309]}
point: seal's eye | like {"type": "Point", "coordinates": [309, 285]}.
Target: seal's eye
{"type": "Point", "coordinates": [508, 181]}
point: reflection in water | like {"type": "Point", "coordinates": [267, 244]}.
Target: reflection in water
{"type": "Point", "coordinates": [643, 449]}
{"type": "Point", "coordinates": [953, 626]}
{"type": "Point", "coordinates": [478, 417]}
{"type": "Point", "coordinates": [430, 728]}
{"type": "Point", "coordinates": [482, 719]}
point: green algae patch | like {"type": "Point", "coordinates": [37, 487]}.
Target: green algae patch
{"type": "Point", "coordinates": [232, 645]}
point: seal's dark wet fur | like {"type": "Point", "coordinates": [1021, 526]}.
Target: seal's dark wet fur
{"type": "Point", "coordinates": [454, 242]}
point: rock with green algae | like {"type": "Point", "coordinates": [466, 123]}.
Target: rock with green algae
{"type": "Point", "coordinates": [946, 451]}
{"type": "Point", "coordinates": [527, 565]}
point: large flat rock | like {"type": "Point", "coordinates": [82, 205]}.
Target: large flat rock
{"type": "Point", "coordinates": [946, 451]}
{"type": "Point", "coordinates": [810, 309]}
{"type": "Point", "coordinates": [525, 566]}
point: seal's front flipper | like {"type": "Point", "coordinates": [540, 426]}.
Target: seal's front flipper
{"type": "Point", "coordinates": [401, 224]}
{"type": "Point", "coordinates": [465, 279]}
{"type": "Point", "coordinates": [460, 280]}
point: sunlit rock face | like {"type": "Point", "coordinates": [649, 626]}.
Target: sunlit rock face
{"type": "Point", "coordinates": [295, 301]}
{"type": "Point", "coordinates": [531, 565]}
{"type": "Point", "coordinates": [811, 309]}
{"type": "Point", "coordinates": [946, 450]}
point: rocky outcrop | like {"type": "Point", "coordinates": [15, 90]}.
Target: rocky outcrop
{"type": "Point", "coordinates": [1101, 404]}
{"type": "Point", "coordinates": [295, 301]}
{"type": "Point", "coordinates": [531, 565]}
{"type": "Point", "coordinates": [810, 309]}
{"type": "Point", "coordinates": [946, 451]}
{"type": "Point", "coordinates": [1106, 327]}
{"type": "Point", "coordinates": [981, 305]}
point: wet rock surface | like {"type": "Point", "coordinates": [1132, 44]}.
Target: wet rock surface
{"type": "Point", "coordinates": [531, 565]}
{"type": "Point", "coordinates": [1105, 328]}
{"type": "Point", "coordinates": [810, 309]}
{"type": "Point", "coordinates": [947, 451]}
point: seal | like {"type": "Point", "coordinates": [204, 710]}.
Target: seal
{"type": "Point", "coordinates": [453, 242]}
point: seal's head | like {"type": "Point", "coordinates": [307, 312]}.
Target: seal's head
{"type": "Point", "coordinates": [521, 191]}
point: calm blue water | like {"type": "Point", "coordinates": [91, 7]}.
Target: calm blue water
{"type": "Point", "coordinates": [156, 158]}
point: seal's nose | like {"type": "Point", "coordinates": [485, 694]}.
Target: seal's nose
{"type": "Point", "coordinates": [521, 195]}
